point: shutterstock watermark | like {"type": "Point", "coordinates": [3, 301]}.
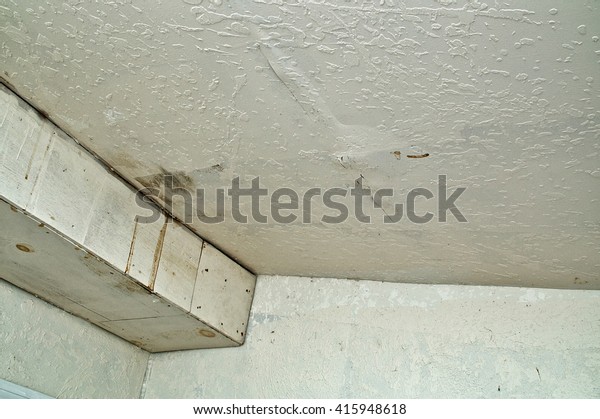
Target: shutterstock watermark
{"type": "Point", "coordinates": [287, 206]}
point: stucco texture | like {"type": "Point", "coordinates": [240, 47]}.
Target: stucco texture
{"type": "Point", "coordinates": [318, 338]}
{"type": "Point", "coordinates": [48, 350]}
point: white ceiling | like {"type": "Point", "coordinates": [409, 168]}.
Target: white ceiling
{"type": "Point", "coordinates": [503, 96]}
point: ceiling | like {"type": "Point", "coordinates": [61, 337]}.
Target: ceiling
{"type": "Point", "coordinates": [501, 97]}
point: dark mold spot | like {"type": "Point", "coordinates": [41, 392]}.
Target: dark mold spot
{"type": "Point", "coordinates": [165, 185]}
{"type": "Point", "coordinates": [41, 113]}
{"type": "Point", "coordinates": [174, 180]}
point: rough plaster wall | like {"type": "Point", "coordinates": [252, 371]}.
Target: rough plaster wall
{"type": "Point", "coordinates": [503, 96]}
{"type": "Point", "coordinates": [340, 338]}
{"type": "Point", "coordinates": [50, 351]}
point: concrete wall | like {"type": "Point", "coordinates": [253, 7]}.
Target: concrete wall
{"type": "Point", "coordinates": [53, 352]}
{"type": "Point", "coordinates": [340, 338]}
{"type": "Point", "coordinates": [329, 338]}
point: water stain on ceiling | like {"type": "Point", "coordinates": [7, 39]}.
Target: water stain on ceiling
{"type": "Point", "coordinates": [501, 97]}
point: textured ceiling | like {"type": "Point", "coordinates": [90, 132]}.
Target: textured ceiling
{"type": "Point", "coordinates": [502, 97]}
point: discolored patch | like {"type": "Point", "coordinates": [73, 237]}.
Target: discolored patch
{"type": "Point", "coordinates": [24, 248]}
{"type": "Point", "coordinates": [165, 184]}
{"type": "Point", "coordinates": [206, 333]}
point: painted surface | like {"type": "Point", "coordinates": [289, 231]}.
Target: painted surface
{"type": "Point", "coordinates": [339, 338]}
{"type": "Point", "coordinates": [501, 96]}
{"type": "Point", "coordinates": [47, 350]}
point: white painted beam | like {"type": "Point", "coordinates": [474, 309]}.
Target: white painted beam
{"type": "Point", "coordinates": [70, 232]}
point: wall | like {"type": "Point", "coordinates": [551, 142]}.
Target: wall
{"type": "Point", "coordinates": [340, 338]}
{"type": "Point", "coordinates": [53, 352]}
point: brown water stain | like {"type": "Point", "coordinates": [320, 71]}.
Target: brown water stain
{"type": "Point", "coordinates": [131, 247]}
{"type": "Point", "coordinates": [24, 248]}
{"type": "Point", "coordinates": [158, 254]}
{"type": "Point", "coordinates": [167, 184]}
{"type": "Point", "coordinates": [206, 333]}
